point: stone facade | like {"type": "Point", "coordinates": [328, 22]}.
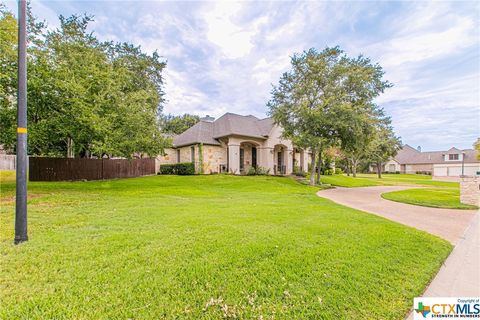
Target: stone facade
{"type": "Point", "coordinates": [470, 190]}
{"type": "Point", "coordinates": [214, 159]}
{"type": "Point", "coordinates": [273, 153]}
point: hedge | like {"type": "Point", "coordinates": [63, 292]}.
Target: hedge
{"type": "Point", "coordinates": [182, 169]}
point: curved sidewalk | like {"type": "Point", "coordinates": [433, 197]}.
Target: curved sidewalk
{"type": "Point", "coordinates": [459, 275]}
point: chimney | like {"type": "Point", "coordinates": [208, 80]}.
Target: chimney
{"type": "Point", "coordinates": [419, 149]}
{"type": "Point", "coordinates": [207, 118]}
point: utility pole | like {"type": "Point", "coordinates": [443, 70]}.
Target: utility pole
{"type": "Point", "coordinates": [22, 159]}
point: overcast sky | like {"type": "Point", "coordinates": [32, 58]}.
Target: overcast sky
{"type": "Point", "coordinates": [225, 56]}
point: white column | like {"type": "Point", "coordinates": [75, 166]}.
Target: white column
{"type": "Point", "coordinates": [267, 159]}
{"type": "Point", "coordinates": [234, 158]}
{"type": "Point", "coordinates": [289, 162]}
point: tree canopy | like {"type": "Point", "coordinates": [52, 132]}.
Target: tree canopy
{"type": "Point", "coordinates": [172, 124]}
{"type": "Point", "coordinates": [327, 99]}
{"type": "Point", "coordinates": [85, 97]}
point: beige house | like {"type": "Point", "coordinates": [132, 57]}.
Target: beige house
{"type": "Point", "coordinates": [234, 143]}
{"type": "Point", "coordinates": [451, 163]}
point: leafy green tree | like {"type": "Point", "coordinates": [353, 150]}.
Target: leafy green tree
{"type": "Point", "coordinates": [305, 100]}
{"type": "Point", "coordinates": [362, 83]}
{"type": "Point", "coordinates": [383, 145]}
{"type": "Point", "coordinates": [86, 97]}
{"type": "Point", "coordinates": [178, 124]}
{"type": "Point", "coordinates": [8, 77]}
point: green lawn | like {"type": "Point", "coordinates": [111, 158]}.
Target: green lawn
{"type": "Point", "coordinates": [367, 180]}
{"type": "Point", "coordinates": [429, 197]}
{"type": "Point", "coordinates": [206, 247]}
{"type": "Point", "coordinates": [440, 194]}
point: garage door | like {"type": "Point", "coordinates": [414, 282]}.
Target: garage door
{"type": "Point", "coordinates": [440, 171]}
{"type": "Point", "coordinates": [454, 171]}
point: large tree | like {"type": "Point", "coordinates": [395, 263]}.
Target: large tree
{"type": "Point", "coordinates": [86, 97]}
{"type": "Point", "coordinates": [305, 99]}
{"type": "Point", "coordinates": [326, 99]}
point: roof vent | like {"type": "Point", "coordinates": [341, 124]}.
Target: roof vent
{"type": "Point", "coordinates": [208, 118]}
{"type": "Point", "coordinates": [419, 149]}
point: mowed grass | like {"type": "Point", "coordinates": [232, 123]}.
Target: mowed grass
{"type": "Point", "coordinates": [429, 197]}
{"type": "Point", "coordinates": [206, 247]}
{"type": "Point", "coordinates": [439, 194]}
{"type": "Point", "coordinates": [368, 180]}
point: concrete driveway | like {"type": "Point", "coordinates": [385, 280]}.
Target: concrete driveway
{"type": "Point", "coordinates": [459, 276]}
{"type": "Point", "coordinates": [449, 224]}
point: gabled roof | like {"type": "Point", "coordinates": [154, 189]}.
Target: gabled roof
{"type": "Point", "coordinates": [409, 155]}
{"type": "Point", "coordinates": [201, 132]}
{"type": "Point", "coordinates": [207, 132]}
{"type": "Point", "coordinates": [235, 124]}
{"type": "Point", "coordinates": [453, 150]}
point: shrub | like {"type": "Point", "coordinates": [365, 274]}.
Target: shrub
{"type": "Point", "coordinates": [167, 169]}
{"type": "Point", "coordinates": [251, 171]}
{"type": "Point", "coordinates": [182, 169]}
{"type": "Point", "coordinates": [328, 172]}
{"type": "Point", "coordinates": [424, 172]}
{"type": "Point", "coordinates": [301, 174]}
{"type": "Point", "coordinates": [185, 169]}
{"type": "Point", "coordinates": [261, 171]}
{"type": "Point", "coordinates": [338, 171]}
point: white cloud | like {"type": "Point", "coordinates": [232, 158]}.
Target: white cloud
{"type": "Point", "coordinates": [234, 40]}
{"type": "Point", "coordinates": [223, 56]}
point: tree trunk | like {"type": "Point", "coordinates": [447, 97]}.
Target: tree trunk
{"type": "Point", "coordinates": [348, 167]}
{"type": "Point", "coordinates": [70, 152]}
{"type": "Point", "coordinates": [379, 170]}
{"type": "Point", "coordinates": [312, 169]}
{"type": "Point", "coordinates": [319, 166]}
{"type": "Point", "coordinates": [354, 167]}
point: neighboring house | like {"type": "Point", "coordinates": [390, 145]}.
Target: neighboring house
{"type": "Point", "coordinates": [454, 162]}
{"type": "Point", "coordinates": [235, 143]}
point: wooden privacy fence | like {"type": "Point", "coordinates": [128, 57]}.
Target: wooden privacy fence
{"type": "Point", "coordinates": [67, 169]}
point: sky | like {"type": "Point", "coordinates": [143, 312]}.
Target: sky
{"type": "Point", "coordinates": [225, 56]}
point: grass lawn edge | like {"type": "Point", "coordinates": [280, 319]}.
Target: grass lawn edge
{"type": "Point", "coordinates": [428, 205]}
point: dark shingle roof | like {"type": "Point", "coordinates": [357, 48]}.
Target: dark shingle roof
{"type": "Point", "coordinates": [201, 132]}
{"type": "Point", "coordinates": [208, 132]}
{"type": "Point", "coordinates": [250, 126]}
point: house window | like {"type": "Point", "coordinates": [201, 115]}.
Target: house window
{"type": "Point", "coordinates": [192, 153]}
{"type": "Point", "coordinates": [453, 156]}
{"type": "Point", "coordinates": [178, 155]}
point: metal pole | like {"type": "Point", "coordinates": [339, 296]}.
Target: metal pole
{"type": "Point", "coordinates": [21, 199]}
{"type": "Point", "coordinates": [463, 163]}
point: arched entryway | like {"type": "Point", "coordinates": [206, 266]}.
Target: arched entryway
{"type": "Point", "coordinates": [248, 156]}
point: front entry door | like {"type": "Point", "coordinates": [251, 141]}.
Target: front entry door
{"type": "Point", "coordinates": [242, 156]}
{"type": "Point", "coordinates": [280, 162]}
{"type": "Point", "coordinates": [254, 157]}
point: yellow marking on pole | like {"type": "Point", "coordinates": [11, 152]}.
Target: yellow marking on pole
{"type": "Point", "coordinates": [21, 130]}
